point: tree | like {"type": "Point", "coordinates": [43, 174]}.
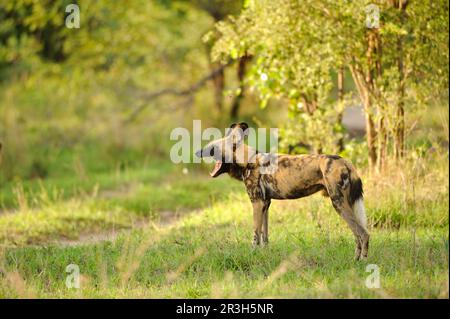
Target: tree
{"type": "Point", "coordinates": [82, 83]}
{"type": "Point", "coordinates": [297, 46]}
{"type": "Point", "coordinates": [219, 10]}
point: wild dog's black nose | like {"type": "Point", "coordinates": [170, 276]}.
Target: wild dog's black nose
{"type": "Point", "coordinates": [206, 152]}
{"type": "Point", "coordinates": [198, 153]}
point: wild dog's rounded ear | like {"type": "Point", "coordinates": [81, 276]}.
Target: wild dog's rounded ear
{"type": "Point", "coordinates": [228, 131]}
{"type": "Point", "coordinates": [239, 129]}
{"type": "Point", "coordinates": [243, 126]}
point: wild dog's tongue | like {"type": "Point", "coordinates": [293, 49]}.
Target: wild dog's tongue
{"type": "Point", "coordinates": [216, 169]}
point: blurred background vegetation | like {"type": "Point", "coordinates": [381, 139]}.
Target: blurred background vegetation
{"type": "Point", "coordinates": [85, 119]}
{"type": "Point", "coordinates": [107, 95]}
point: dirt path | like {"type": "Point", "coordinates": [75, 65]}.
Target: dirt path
{"type": "Point", "coordinates": [167, 219]}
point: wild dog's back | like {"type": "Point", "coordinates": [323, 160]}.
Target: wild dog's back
{"type": "Point", "coordinates": [296, 176]}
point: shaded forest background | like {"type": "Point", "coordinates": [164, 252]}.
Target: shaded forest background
{"type": "Point", "coordinates": [109, 93]}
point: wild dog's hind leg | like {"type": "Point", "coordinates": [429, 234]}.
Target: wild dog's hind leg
{"type": "Point", "coordinates": [341, 204]}
{"type": "Point", "coordinates": [265, 223]}
{"type": "Point", "coordinates": [360, 232]}
{"type": "Point", "coordinates": [258, 208]}
{"type": "Point", "coordinates": [360, 214]}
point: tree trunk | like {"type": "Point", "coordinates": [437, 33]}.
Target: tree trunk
{"type": "Point", "coordinates": [399, 134]}
{"type": "Point", "coordinates": [371, 134]}
{"type": "Point", "coordinates": [235, 106]}
{"type": "Point", "coordinates": [340, 84]}
{"type": "Point", "coordinates": [382, 141]}
{"type": "Point", "coordinates": [219, 85]}
{"type": "Point", "coordinates": [372, 72]}
{"type": "Point", "coordinates": [341, 93]}
{"type": "Point", "coordinates": [366, 84]}
{"type": "Point", "coordinates": [382, 137]}
{"type": "Point", "coordinates": [399, 126]}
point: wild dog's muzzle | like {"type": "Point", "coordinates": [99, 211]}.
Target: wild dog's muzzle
{"type": "Point", "coordinates": [219, 166]}
{"type": "Point", "coordinates": [222, 150]}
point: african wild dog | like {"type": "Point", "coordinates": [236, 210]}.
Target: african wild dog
{"type": "Point", "coordinates": [295, 176]}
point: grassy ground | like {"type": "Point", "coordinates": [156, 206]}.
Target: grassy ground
{"type": "Point", "coordinates": [37, 212]}
{"type": "Point", "coordinates": [204, 249]}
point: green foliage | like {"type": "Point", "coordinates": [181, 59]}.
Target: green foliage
{"type": "Point", "coordinates": [288, 63]}
{"type": "Point", "coordinates": [79, 103]}
{"type": "Point", "coordinates": [298, 45]}
{"type": "Point", "coordinates": [320, 131]}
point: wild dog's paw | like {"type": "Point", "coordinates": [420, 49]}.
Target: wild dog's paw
{"type": "Point", "coordinates": [360, 257]}
{"type": "Point", "coordinates": [264, 241]}
{"type": "Point", "coordinates": [255, 241]}
{"type": "Point", "coordinates": [357, 253]}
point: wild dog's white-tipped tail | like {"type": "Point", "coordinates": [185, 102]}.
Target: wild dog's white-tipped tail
{"type": "Point", "coordinates": [360, 212]}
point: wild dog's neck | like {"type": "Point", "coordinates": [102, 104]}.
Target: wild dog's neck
{"type": "Point", "coordinates": [244, 159]}
{"type": "Point", "coordinates": [244, 155]}
{"type": "Point", "coordinates": [236, 171]}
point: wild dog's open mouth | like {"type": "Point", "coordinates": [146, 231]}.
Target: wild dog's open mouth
{"type": "Point", "coordinates": [217, 170]}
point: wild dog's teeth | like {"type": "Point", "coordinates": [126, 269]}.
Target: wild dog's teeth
{"type": "Point", "coordinates": [216, 169]}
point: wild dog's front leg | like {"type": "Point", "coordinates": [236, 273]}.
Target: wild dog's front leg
{"type": "Point", "coordinates": [265, 223]}
{"type": "Point", "coordinates": [258, 209]}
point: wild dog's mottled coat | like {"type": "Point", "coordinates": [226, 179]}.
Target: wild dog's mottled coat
{"type": "Point", "coordinates": [295, 177]}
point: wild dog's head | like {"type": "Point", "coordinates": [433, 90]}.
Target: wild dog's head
{"type": "Point", "coordinates": [227, 151]}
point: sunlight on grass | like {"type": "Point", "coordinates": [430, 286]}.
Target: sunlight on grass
{"type": "Point", "coordinates": [207, 253]}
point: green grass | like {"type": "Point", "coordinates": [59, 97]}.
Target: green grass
{"type": "Point", "coordinates": [39, 212]}
{"type": "Point", "coordinates": [207, 252]}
